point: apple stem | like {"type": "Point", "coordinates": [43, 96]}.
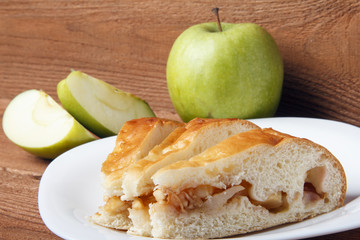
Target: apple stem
{"type": "Point", "coordinates": [216, 12]}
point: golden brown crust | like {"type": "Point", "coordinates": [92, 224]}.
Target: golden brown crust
{"type": "Point", "coordinates": [158, 152]}
{"type": "Point", "coordinates": [277, 133]}
{"type": "Point", "coordinates": [129, 139]}
{"type": "Point", "coordinates": [185, 137]}
{"type": "Point", "coordinates": [198, 123]}
{"type": "Point", "coordinates": [230, 146]}
{"type": "Point", "coordinates": [170, 140]}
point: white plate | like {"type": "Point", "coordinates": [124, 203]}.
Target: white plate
{"type": "Point", "coordinates": [70, 188]}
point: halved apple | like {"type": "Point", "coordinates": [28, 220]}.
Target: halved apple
{"type": "Point", "coordinates": [39, 125]}
{"type": "Point", "coordinates": [97, 105]}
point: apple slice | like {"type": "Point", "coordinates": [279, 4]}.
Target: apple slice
{"type": "Point", "coordinates": [97, 105]}
{"type": "Point", "coordinates": [36, 123]}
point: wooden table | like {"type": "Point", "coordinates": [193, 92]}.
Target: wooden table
{"type": "Point", "coordinates": [126, 43]}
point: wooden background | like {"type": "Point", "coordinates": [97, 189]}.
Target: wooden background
{"type": "Point", "coordinates": [126, 43]}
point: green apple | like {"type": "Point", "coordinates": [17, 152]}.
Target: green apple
{"type": "Point", "coordinates": [233, 73]}
{"type": "Point", "coordinates": [36, 123]}
{"type": "Point", "coordinates": [97, 105]}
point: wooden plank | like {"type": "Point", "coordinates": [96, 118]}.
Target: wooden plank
{"type": "Point", "coordinates": [20, 218]}
{"type": "Point", "coordinates": [127, 43]}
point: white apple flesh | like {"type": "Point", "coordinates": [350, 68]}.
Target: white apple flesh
{"type": "Point", "coordinates": [36, 123]}
{"type": "Point", "coordinates": [97, 105]}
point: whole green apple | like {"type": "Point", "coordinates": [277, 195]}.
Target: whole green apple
{"type": "Point", "coordinates": [233, 73]}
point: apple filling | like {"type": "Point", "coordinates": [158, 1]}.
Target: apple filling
{"type": "Point", "coordinates": [313, 186]}
{"type": "Point", "coordinates": [205, 196]}
{"type": "Point", "coordinates": [143, 202]}
{"type": "Point", "coordinates": [114, 205]}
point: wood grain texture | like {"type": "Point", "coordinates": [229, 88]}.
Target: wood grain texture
{"type": "Point", "coordinates": [20, 218]}
{"type": "Point", "coordinates": [126, 43]}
